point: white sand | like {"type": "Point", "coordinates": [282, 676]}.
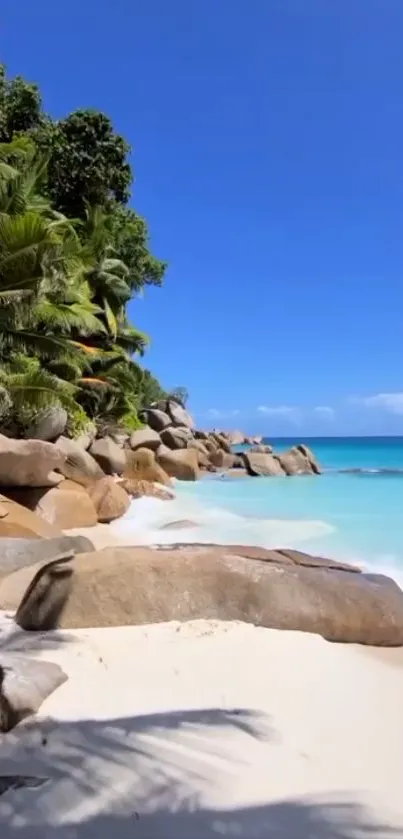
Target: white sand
{"type": "Point", "coordinates": [143, 741]}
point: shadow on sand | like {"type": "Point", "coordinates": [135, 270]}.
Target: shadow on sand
{"type": "Point", "coordinates": [149, 777]}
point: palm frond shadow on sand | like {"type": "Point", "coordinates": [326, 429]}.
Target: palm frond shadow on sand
{"type": "Point", "coordinates": [148, 777]}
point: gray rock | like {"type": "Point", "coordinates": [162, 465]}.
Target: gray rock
{"type": "Point", "coordinates": [24, 684]}
{"type": "Point", "coordinates": [156, 419]}
{"type": "Point", "coordinates": [30, 463]}
{"type": "Point", "coordinates": [176, 438]}
{"type": "Point", "coordinates": [18, 553]}
{"type": "Point", "coordinates": [78, 464]}
{"type": "Point", "coordinates": [109, 456]}
{"type": "Point", "coordinates": [179, 415]}
{"type": "Point", "coordinates": [48, 425]}
{"type": "Point", "coordinates": [145, 438]}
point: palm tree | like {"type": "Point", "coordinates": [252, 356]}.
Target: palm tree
{"type": "Point", "coordinates": [106, 275]}
{"type": "Point", "coordinates": [43, 295]}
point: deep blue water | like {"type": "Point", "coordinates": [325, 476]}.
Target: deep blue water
{"type": "Point", "coordinates": [355, 516]}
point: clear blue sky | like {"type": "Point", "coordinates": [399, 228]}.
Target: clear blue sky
{"type": "Point", "coordinates": [267, 147]}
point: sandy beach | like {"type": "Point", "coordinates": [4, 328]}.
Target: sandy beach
{"type": "Point", "coordinates": [206, 729]}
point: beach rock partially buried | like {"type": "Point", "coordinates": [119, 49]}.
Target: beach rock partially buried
{"type": "Point", "coordinates": [276, 589]}
{"type": "Point", "coordinates": [78, 464]}
{"type": "Point", "coordinates": [17, 521]}
{"type": "Point", "coordinates": [24, 684]}
{"type": "Point", "coordinates": [19, 553]}
{"type": "Point", "coordinates": [110, 499]}
{"type": "Point", "coordinates": [65, 506]}
{"type": "Point", "coordinates": [262, 464]}
{"type": "Point", "coordinates": [29, 463]}
{"type": "Point", "coordinates": [109, 456]}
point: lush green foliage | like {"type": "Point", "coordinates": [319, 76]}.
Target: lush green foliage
{"type": "Point", "coordinates": [72, 256]}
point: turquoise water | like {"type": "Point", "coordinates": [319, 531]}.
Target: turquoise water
{"type": "Point", "coordinates": [358, 516]}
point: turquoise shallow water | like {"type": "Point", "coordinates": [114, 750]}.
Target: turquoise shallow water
{"type": "Point", "coordinates": [355, 516]}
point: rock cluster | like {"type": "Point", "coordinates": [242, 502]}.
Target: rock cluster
{"type": "Point", "coordinates": [52, 486]}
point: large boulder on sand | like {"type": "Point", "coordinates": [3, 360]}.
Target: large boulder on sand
{"type": "Point", "coordinates": [24, 685]}
{"type": "Point", "coordinates": [49, 424]}
{"type": "Point", "coordinates": [17, 521]}
{"type": "Point", "coordinates": [110, 457]}
{"type": "Point", "coordinates": [276, 589]}
{"type": "Point", "coordinates": [299, 461]}
{"type": "Point", "coordinates": [65, 506]}
{"type": "Point", "coordinates": [156, 419]}
{"type": "Point", "coordinates": [182, 464]}
{"type": "Point", "coordinates": [110, 499]}
{"type": "Point", "coordinates": [145, 438]}
{"type": "Point", "coordinates": [78, 464]}
{"type": "Point", "coordinates": [29, 463]}
{"type": "Point", "coordinates": [261, 464]}
{"type": "Point", "coordinates": [142, 465]}
{"type": "Point", "coordinates": [17, 553]}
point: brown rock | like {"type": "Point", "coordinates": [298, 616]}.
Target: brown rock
{"type": "Point", "coordinates": [211, 445]}
{"type": "Point", "coordinates": [222, 442]}
{"type": "Point", "coordinates": [260, 464]}
{"type": "Point", "coordinates": [223, 460]}
{"type": "Point", "coordinates": [109, 498]}
{"type": "Point", "coordinates": [299, 461]}
{"type": "Point", "coordinates": [260, 449]}
{"type": "Point", "coordinates": [120, 586]}
{"type": "Point", "coordinates": [176, 438]}
{"type": "Point", "coordinates": [110, 457]}
{"type": "Point", "coordinates": [29, 463]}
{"type": "Point", "coordinates": [145, 438]}
{"type": "Point", "coordinates": [17, 521]}
{"type": "Point", "coordinates": [138, 488]}
{"type": "Point", "coordinates": [65, 506]}
{"type": "Point", "coordinates": [142, 465]}
{"type": "Point", "coordinates": [203, 457]}
{"type": "Point", "coordinates": [79, 465]}
{"type": "Point", "coordinates": [181, 464]}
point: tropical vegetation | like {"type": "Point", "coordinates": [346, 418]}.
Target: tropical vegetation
{"type": "Point", "coordinates": [72, 257]}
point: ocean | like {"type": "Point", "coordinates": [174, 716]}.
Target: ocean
{"type": "Point", "coordinates": [354, 516]}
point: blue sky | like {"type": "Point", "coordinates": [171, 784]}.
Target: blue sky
{"type": "Point", "coordinates": [267, 147]}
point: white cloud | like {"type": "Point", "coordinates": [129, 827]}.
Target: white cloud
{"type": "Point", "coordinates": [286, 411]}
{"type": "Point", "coordinates": [324, 411]}
{"type": "Point", "coordinates": [214, 413]}
{"type": "Point", "coordinates": [390, 402]}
